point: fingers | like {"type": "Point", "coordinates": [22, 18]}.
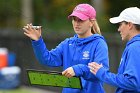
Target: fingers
{"type": "Point", "coordinates": [27, 28]}
{"type": "Point", "coordinates": [33, 32]}
{"type": "Point", "coordinates": [66, 73]}
{"type": "Point", "coordinates": [94, 67]}
{"type": "Point", "coordinates": [39, 29]}
{"type": "Point", "coordinates": [25, 33]}
{"type": "Point", "coordinates": [69, 72]}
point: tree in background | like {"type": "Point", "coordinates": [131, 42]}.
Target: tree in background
{"type": "Point", "coordinates": [55, 13]}
{"type": "Point", "coordinates": [9, 13]}
{"type": "Point", "coordinates": [114, 7]}
{"type": "Point", "coordinates": [52, 14]}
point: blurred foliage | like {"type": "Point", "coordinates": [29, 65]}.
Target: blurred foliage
{"type": "Point", "coordinates": [55, 13]}
{"type": "Point", "coordinates": [9, 13]}
{"type": "Point", "coordinates": [52, 14]}
{"type": "Point", "coordinates": [114, 7]}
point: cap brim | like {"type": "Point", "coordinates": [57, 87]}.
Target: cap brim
{"type": "Point", "coordinates": [79, 15]}
{"type": "Point", "coordinates": [115, 20]}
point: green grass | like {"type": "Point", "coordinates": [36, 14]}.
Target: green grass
{"type": "Point", "coordinates": [19, 90]}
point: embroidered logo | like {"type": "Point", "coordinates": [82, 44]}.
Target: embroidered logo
{"type": "Point", "coordinates": [78, 8]}
{"type": "Point", "coordinates": [85, 55]}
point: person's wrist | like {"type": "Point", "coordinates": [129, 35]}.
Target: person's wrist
{"type": "Point", "coordinates": [35, 39]}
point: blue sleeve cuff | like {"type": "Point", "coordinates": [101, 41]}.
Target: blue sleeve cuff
{"type": "Point", "coordinates": [100, 73]}
{"type": "Point", "coordinates": [36, 43]}
{"type": "Point", "coordinates": [77, 70]}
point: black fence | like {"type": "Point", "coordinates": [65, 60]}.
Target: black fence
{"type": "Point", "coordinates": [25, 58]}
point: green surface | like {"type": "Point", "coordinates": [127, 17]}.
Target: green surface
{"type": "Point", "coordinates": [19, 90]}
{"type": "Point", "coordinates": [52, 79]}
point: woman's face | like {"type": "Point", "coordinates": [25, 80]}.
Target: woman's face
{"type": "Point", "coordinates": [124, 30]}
{"type": "Point", "coordinates": [82, 27]}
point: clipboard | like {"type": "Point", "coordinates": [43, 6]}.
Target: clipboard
{"type": "Point", "coordinates": [52, 78]}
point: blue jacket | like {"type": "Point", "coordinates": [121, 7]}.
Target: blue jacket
{"type": "Point", "coordinates": [128, 77]}
{"type": "Point", "coordinates": [77, 53]}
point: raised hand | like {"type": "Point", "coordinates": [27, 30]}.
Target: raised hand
{"type": "Point", "coordinates": [33, 33]}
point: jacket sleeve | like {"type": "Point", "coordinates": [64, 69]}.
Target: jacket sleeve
{"type": "Point", "coordinates": [130, 78]}
{"type": "Point", "coordinates": [82, 70]}
{"type": "Point", "coordinates": [101, 56]}
{"type": "Point", "coordinates": [46, 57]}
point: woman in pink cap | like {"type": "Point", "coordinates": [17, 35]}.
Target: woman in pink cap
{"type": "Point", "coordinates": [76, 52]}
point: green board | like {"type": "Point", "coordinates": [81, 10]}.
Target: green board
{"type": "Point", "coordinates": [49, 78]}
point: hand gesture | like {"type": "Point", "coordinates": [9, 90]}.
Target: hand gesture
{"type": "Point", "coordinates": [32, 33]}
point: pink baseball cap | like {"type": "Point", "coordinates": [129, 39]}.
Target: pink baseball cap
{"type": "Point", "coordinates": [84, 12]}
